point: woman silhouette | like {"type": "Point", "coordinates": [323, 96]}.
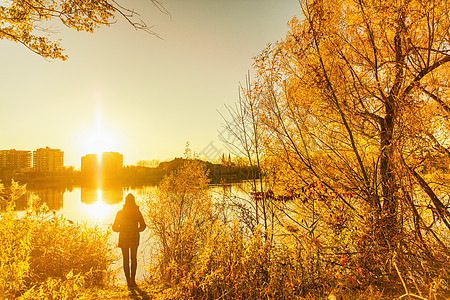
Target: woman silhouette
{"type": "Point", "coordinates": [129, 223]}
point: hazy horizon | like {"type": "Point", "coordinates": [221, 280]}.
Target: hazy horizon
{"type": "Point", "coordinates": [126, 91]}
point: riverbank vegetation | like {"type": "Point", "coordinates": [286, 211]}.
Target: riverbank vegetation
{"type": "Point", "coordinates": [207, 247]}
{"type": "Point", "coordinates": [307, 245]}
{"type": "Point", "coordinates": [47, 257]}
{"type": "Point", "coordinates": [348, 117]}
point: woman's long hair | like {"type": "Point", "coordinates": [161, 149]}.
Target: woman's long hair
{"type": "Point", "coordinates": [130, 201]}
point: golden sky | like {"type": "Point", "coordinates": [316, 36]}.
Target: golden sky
{"type": "Point", "coordinates": [124, 90]}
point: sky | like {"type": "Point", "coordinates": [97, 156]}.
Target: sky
{"type": "Point", "coordinates": [128, 91]}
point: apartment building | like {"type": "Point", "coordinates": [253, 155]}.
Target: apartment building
{"type": "Point", "coordinates": [89, 163]}
{"type": "Point", "coordinates": [47, 160]}
{"type": "Point", "coordinates": [15, 160]}
{"type": "Point", "coordinates": [108, 163]}
{"type": "Point", "coordinates": [111, 162]}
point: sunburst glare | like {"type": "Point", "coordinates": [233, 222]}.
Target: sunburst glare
{"type": "Point", "coordinates": [99, 209]}
{"type": "Point", "coordinates": [98, 140]}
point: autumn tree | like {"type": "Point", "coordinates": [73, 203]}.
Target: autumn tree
{"type": "Point", "coordinates": [242, 136]}
{"type": "Point", "coordinates": [354, 103]}
{"type": "Point", "coordinates": [28, 22]}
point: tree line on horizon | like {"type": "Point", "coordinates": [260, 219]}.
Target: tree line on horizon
{"type": "Point", "coordinates": [134, 175]}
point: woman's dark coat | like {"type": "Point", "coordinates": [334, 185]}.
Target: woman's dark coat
{"type": "Point", "coordinates": [129, 222]}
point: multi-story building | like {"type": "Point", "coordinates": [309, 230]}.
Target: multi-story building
{"type": "Point", "coordinates": [90, 163]}
{"type": "Point", "coordinates": [15, 160]}
{"type": "Point", "coordinates": [48, 160]}
{"type": "Point", "coordinates": [111, 162]}
{"type": "Point", "coordinates": [100, 170]}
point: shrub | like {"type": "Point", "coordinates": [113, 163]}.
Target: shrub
{"type": "Point", "coordinates": [179, 216]}
{"type": "Point", "coordinates": [60, 248]}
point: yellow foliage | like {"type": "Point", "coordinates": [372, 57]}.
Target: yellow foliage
{"type": "Point", "coordinates": [44, 256]}
{"type": "Point", "coordinates": [179, 215]}
{"type": "Point", "coordinates": [25, 22]}
{"type": "Point", "coordinates": [352, 115]}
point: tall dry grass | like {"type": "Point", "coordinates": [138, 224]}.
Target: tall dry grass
{"type": "Point", "coordinates": [47, 257]}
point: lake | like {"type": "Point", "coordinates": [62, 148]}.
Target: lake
{"type": "Point", "coordinates": [98, 206]}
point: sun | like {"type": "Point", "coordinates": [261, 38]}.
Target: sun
{"type": "Point", "coordinates": [98, 141]}
{"type": "Point", "coordinates": [98, 138]}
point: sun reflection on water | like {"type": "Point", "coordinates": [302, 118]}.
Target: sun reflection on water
{"type": "Point", "coordinates": [99, 209]}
